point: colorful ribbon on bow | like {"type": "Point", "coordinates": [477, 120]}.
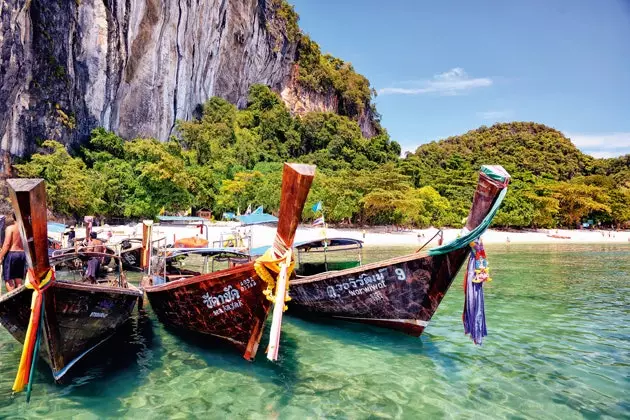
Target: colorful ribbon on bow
{"type": "Point", "coordinates": [24, 377]}
{"type": "Point", "coordinates": [477, 273]}
{"type": "Point", "coordinates": [268, 267]}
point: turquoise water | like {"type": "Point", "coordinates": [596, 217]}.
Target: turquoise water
{"type": "Point", "coordinates": [558, 348]}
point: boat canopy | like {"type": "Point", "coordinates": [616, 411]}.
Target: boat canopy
{"type": "Point", "coordinates": [322, 244]}
{"type": "Point", "coordinates": [318, 245]}
{"type": "Point", "coordinates": [257, 219]}
{"type": "Point", "coordinates": [55, 227]}
{"type": "Point", "coordinates": [206, 252]}
{"type": "Point", "coordinates": [181, 219]}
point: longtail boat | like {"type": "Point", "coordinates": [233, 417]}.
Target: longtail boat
{"type": "Point", "coordinates": [232, 305]}
{"type": "Point", "coordinates": [401, 293]}
{"type": "Point", "coordinates": [72, 318]}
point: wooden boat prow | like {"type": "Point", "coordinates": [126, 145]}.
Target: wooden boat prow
{"type": "Point", "coordinates": [400, 293]}
{"type": "Point", "coordinates": [229, 305]}
{"type": "Point", "coordinates": [77, 317]}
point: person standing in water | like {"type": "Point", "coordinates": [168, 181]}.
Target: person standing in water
{"type": "Point", "coordinates": [13, 257]}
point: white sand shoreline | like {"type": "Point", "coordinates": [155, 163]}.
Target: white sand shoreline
{"type": "Point", "coordinates": [263, 235]}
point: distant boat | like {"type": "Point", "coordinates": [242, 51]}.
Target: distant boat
{"type": "Point", "coordinates": [558, 236]}
{"type": "Point", "coordinates": [400, 293]}
{"type": "Point", "coordinates": [230, 304]}
{"type": "Point", "coordinates": [77, 317]}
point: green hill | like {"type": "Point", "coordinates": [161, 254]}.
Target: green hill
{"type": "Point", "coordinates": [553, 183]}
{"type": "Point", "coordinates": [518, 146]}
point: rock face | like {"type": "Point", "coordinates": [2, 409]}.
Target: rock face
{"type": "Point", "coordinates": [133, 66]}
{"type": "Point", "coordinates": [302, 101]}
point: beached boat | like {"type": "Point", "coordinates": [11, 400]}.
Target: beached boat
{"type": "Point", "coordinates": [230, 305]}
{"type": "Point", "coordinates": [76, 317]}
{"type": "Point", "coordinates": [400, 293]}
{"type": "Point", "coordinates": [556, 236]}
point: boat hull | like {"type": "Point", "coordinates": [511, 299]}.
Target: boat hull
{"type": "Point", "coordinates": [229, 306]}
{"type": "Point", "coordinates": [401, 293]}
{"type": "Point", "coordinates": [86, 316]}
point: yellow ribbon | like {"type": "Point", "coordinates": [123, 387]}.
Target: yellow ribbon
{"type": "Point", "coordinates": [38, 287]}
{"type": "Point", "coordinates": [267, 267]}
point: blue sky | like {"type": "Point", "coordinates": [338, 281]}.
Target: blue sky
{"type": "Point", "coordinates": [445, 67]}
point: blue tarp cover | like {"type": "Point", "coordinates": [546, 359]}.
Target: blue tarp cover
{"type": "Point", "coordinates": [56, 227]}
{"type": "Point", "coordinates": [257, 219]}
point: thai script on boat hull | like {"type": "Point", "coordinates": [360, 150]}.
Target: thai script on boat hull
{"type": "Point", "coordinates": [368, 289]}
{"type": "Point", "coordinates": [365, 283]}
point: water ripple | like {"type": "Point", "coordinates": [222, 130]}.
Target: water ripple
{"type": "Point", "coordinates": [559, 347]}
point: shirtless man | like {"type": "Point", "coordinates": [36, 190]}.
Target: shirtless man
{"type": "Point", "coordinates": [13, 258]}
{"type": "Point", "coordinates": [94, 263]}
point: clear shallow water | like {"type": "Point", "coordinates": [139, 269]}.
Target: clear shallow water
{"type": "Point", "coordinates": [558, 347]}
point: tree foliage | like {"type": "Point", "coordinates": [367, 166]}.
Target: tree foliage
{"type": "Point", "coordinates": [326, 74]}
{"type": "Point", "coordinates": [229, 159]}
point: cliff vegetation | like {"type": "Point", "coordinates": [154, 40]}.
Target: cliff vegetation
{"type": "Point", "coordinates": [229, 158]}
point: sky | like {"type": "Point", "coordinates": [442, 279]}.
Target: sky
{"type": "Point", "coordinates": [445, 67]}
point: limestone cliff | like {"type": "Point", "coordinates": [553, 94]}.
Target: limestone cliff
{"type": "Point", "coordinates": [302, 100]}
{"type": "Point", "coordinates": [133, 66]}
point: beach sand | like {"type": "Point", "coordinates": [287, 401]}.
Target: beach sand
{"type": "Point", "coordinates": [375, 236]}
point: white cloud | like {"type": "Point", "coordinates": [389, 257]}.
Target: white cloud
{"type": "Point", "coordinates": [494, 115]}
{"type": "Point", "coordinates": [604, 145]}
{"type": "Point", "coordinates": [452, 82]}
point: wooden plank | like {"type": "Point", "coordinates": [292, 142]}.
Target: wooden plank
{"type": "Point", "coordinates": [296, 184]}
{"type": "Point", "coordinates": [28, 197]}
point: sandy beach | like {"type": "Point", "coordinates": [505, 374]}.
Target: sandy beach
{"type": "Point", "coordinates": [375, 236]}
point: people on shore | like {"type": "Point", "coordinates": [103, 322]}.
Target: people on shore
{"type": "Point", "coordinates": [13, 257]}
{"type": "Point", "coordinates": [71, 236]}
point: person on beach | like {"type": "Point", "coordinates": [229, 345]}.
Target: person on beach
{"type": "Point", "coordinates": [94, 263]}
{"type": "Point", "coordinates": [13, 257]}
{"type": "Point", "coordinates": [71, 235]}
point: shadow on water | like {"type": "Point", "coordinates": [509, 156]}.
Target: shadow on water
{"type": "Point", "coordinates": [363, 335]}
{"type": "Point", "coordinates": [116, 368]}
{"type": "Point", "coordinates": [220, 355]}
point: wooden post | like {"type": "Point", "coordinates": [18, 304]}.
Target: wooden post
{"type": "Point", "coordinates": [278, 308]}
{"type": "Point", "coordinates": [296, 183]}
{"type": "Point", "coordinates": [28, 197]}
{"type": "Point", "coordinates": [147, 244]}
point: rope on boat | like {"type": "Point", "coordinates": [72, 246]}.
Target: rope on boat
{"type": "Point", "coordinates": [473, 235]}
{"type": "Point", "coordinates": [24, 375]}
{"type": "Point", "coordinates": [269, 265]}
{"type": "Point", "coordinates": [439, 232]}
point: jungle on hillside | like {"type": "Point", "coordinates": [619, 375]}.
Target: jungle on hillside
{"type": "Point", "coordinates": [228, 159]}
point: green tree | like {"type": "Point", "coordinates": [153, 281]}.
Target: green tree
{"type": "Point", "coordinates": [577, 201]}
{"type": "Point", "coordinates": [71, 188]}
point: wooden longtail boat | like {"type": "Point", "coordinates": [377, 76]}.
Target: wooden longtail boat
{"type": "Point", "coordinates": [400, 293]}
{"type": "Point", "coordinates": [77, 317]}
{"type": "Point", "coordinates": [229, 304]}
